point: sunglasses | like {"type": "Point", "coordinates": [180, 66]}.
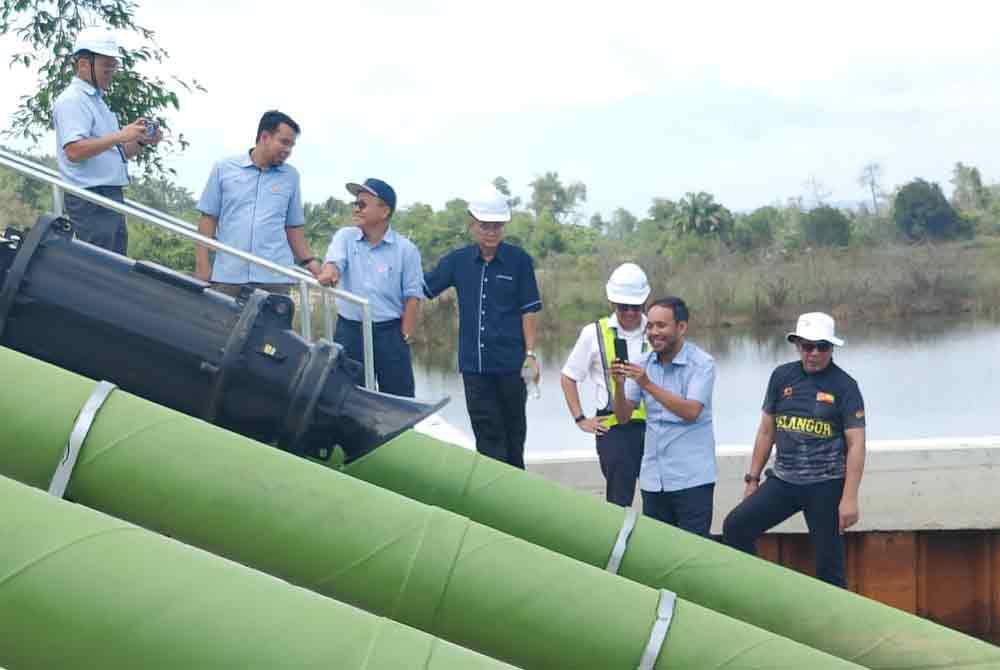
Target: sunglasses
{"type": "Point", "coordinates": [359, 205]}
{"type": "Point", "coordinates": [490, 226]}
{"type": "Point", "coordinates": [810, 347]}
{"type": "Point", "coordinates": [628, 308]}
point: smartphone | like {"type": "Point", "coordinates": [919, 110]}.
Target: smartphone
{"type": "Point", "coordinates": [621, 350]}
{"type": "Point", "coordinates": [151, 128]}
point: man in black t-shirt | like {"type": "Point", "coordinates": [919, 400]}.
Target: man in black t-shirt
{"type": "Point", "coordinates": [814, 413]}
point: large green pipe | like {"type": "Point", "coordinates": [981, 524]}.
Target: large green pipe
{"type": "Point", "coordinates": [581, 526]}
{"type": "Point", "coordinates": [79, 589]}
{"type": "Point", "coordinates": [339, 536]}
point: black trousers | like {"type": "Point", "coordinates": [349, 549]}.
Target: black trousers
{"type": "Point", "coordinates": [775, 501]}
{"type": "Point", "coordinates": [393, 361]}
{"type": "Point", "coordinates": [97, 225]}
{"type": "Point", "coordinates": [620, 454]}
{"type": "Point", "coordinates": [497, 412]}
{"type": "Point", "coordinates": [687, 509]}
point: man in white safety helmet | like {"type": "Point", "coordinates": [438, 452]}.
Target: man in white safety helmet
{"type": "Point", "coordinates": [91, 148]}
{"type": "Point", "coordinates": [498, 304]}
{"type": "Point", "coordinates": [619, 445]}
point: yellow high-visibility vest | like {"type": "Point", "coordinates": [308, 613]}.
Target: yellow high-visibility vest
{"type": "Point", "coordinates": [607, 340]}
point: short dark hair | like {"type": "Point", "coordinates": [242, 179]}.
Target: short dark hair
{"type": "Point", "coordinates": [272, 119]}
{"type": "Point", "coordinates": [676, 305]}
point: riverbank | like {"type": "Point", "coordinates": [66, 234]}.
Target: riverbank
{"type": "Point", "coordinates": [884, 283]}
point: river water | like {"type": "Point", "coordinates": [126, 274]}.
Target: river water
{"type": "Point", "coordinates": [932, 377]}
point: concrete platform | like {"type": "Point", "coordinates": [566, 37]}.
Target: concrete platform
{"type": "Point", "coordinates": [932, 484]}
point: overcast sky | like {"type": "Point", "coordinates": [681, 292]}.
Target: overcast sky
{"type": "Point", "coordinates": [636, 99]}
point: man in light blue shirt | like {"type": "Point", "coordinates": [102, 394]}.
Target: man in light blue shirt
{"type": "Point", "coordinates": [675, 379]}
{"type": "Point", "coordinates": [92, 150]}
{"type": "Point", "coordinates": [372, 260]}
{"type": "Point", "coordinates": [253, 202]}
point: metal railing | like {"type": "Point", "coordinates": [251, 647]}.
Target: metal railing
{"type": "Point", "coordinates": [302, 278]}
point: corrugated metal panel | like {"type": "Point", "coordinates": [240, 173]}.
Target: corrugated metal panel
{"type": "Point", "coordinates": [951, 577]}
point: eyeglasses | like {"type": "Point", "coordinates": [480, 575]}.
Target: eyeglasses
{"type": "Point", "coordinates": [628, 308]}
{"type": "Point", "coordinates": [359, 205]}
{"type": "Point", "coordinates": [810, 347]}
{"type": "Point", "coordinates": [490, 226]}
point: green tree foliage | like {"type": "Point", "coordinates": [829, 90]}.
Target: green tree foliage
{"type": "Point", "coordinates": [699, 214]}
{"type": "Point", "coordinates": [549, 193]}
{"type": "Point", "coordinates": [756, 230]}
{"type": "Point", "coordinates": [151, 243]}
{"type": "Point", "coordinates": [48, 30]}
{"type": "Point", "coordinates": [826, 227]}
{"type": "Point", "coordinates": [970, 194]}
{"type": "Point", "coordinates": [920, 210]}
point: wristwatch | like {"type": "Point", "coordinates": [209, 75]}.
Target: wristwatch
{"type": "Point", "coordinates": [305, 261]}
{"type": "Point", "coordinates": [751, 478]}
{"type": "Point", "coordinates": [531, 353]}
{"type": "Point", "coordinates": [580, 418]}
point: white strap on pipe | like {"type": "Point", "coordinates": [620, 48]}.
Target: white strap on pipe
{"type": "Point", "coordinates": [618, 552]}
{"type": "Point", "coordinates": [84, 420]}
{"type": "Point", "coordinates": [664, 614]}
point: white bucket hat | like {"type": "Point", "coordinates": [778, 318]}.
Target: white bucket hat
{"type": "Point", "coordinates": [489, 205]}
{"type": "Point", "coordinates": [815, 326]}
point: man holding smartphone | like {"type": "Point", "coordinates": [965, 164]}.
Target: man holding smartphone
{"type": "Point", "coordinates": [619, 336]}
{"type": "Point", "coordinates": [675, 381]}
{"type": "Point", "coordinates": [92, 150]}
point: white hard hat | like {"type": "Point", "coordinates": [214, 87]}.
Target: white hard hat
{"type": "Point", "coordinates": [489, 205]}
{"type": "Point", "coordinates": [96, 40]}
{"type": "Point", "coordinates": [628, 285]}
{"type": "Point", "coordinates": [815, 327]}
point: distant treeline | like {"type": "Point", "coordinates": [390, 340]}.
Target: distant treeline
{"type": "Point", "coordinates": [911, 249]}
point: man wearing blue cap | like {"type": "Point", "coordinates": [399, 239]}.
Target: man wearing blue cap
{"type": "Point", "coordinates": [375, 262]}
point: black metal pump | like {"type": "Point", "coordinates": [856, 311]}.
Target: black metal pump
{"type": "Point", "coordinates": [163, 336]}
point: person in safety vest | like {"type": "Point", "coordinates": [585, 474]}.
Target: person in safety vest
{"type": "Point", "coordinates": [619, 444]}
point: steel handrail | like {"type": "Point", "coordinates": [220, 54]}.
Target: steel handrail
{"type": "Point", "coordinates": [184, 229]}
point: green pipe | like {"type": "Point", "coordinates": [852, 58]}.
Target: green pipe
{"type": "Point", "coordinates": [316, 528]}
{"type": "Point", "coordinates": [782, 601]}
{"type": "Point", "coordinates": [81, 589]}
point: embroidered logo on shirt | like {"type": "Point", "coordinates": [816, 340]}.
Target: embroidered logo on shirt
{"type": "Point", "coordinates": [787, 393]}
{"type": "Point", "coordinates": [825, 397]}
{"type": "Point", "coordinates": [507, 277]}
{"type": "Point", "coordinates": [860, 414]}
{"type": "Point", "coordinates": [276, 188]}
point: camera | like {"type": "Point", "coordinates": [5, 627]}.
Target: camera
{"type": "Point", "coordinates": [151, 129]}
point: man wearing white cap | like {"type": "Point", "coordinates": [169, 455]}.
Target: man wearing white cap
{"type": "Point", "coordinates": [814, 413]}
{"type": "Point", "coordinates": [498, 301]}
{"type": "Point", "coordinates": [619, 445]}
{"type": "Point", "coordinates": [92, 150]}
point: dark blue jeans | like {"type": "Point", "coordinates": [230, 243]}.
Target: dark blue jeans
{"type": "Point", "coordinates": [97, 225]}
{"type": "Point", "coordinates": [775, 501]}
{"type": "Point", "coordinates": [620, 454]}
{"type": "Point", "coordinates": [688, 509]}
{"type": "Point", "coordinates": [393, 362]}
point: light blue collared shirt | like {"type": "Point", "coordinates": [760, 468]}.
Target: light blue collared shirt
{"type": "Point", "coordinates": [253, 207]}
{"type": "Point", "coordinates": [387, 274]}
{"type": "Point", "coordinates": [678, 454]}
{"type": "Point", "coordinates": [80, 113]}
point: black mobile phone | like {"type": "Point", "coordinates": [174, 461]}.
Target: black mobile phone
{"type": "Point", "coordinates": [621, 350]}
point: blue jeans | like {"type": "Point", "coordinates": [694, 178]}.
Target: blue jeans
{"type": "Point", "coordinates": [775, 501]}
{"type": "Point", "coordinates": [687, 509]}
{"type": "Point", "coordinates": [393, 362]}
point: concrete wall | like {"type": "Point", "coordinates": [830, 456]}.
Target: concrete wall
{"type": "Point", "coordinates": [932, 484]}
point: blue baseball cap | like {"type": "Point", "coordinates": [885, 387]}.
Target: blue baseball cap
{"type": "Point", "coordinates": [377, 188]}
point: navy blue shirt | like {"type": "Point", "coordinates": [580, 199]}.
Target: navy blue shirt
{"type": "Point", "coordinates": [492, 297]}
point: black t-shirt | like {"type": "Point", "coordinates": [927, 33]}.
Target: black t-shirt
{"type": "Point", "coordinates": [811, 413]}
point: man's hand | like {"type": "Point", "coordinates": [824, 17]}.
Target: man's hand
{"type": "Point", "coordinates": [750, 488]}
{"type": "Point", "coordinates": [594, 425]}
{"type": "Point", "coordinates": [314, 267]}
{"type": "Point", "coordinates": [532, 362]}
{"type": "Point", "coordinates": [621, 370]}
{"type": "Point", "coordinates": [848, 513]}
{"type": "Point", "coordinates": [133, 132]}
{"type": "Point", "coordinates": [204, 275]}
{"type": "Point", "coordinates": [328, 275]}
